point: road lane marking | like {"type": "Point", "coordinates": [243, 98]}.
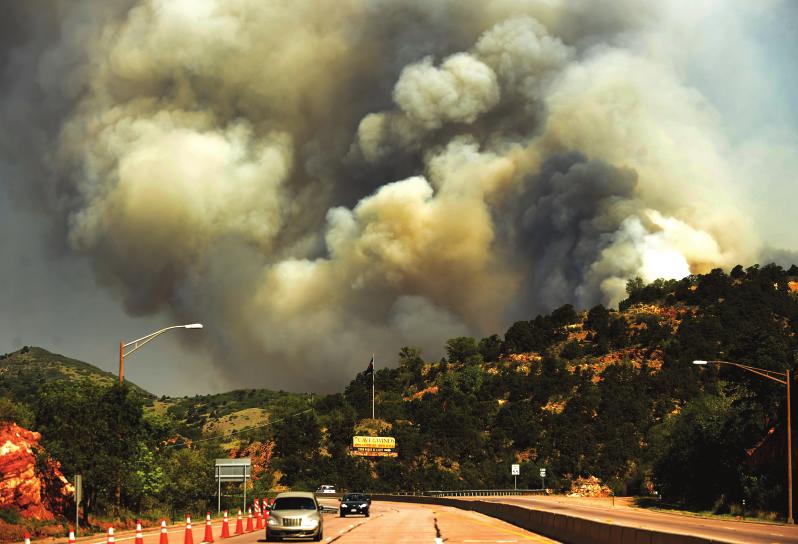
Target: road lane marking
{"type": "Point", "coordinates": [344, 531]}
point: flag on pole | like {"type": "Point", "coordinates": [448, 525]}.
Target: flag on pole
{"type": "Point", "coordinates": [370, 369]}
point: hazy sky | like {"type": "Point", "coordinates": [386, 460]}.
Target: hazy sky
{"type": "Point", "coordinates": [318, 181]}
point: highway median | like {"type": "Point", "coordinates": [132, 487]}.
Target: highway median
{"type": "Point", "coordinates": [562, 527]}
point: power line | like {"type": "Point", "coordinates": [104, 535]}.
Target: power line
{"type": "Point", "coordinates": [239, 431]}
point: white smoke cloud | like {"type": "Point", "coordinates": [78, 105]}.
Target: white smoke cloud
{"type": "Point", "coordinates": [523, 55]}
{"type": "Point", "coordinates": [316, 180]}
{"type": "Point", "coordinates": [457, 92]}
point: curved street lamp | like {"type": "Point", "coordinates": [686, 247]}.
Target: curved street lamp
{"type": "Point", "coordinates": [784, 379]}
{"type": "Point", "coordinates": [143, 340]}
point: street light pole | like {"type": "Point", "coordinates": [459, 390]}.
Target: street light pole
{"type": "Point", "coordinates": [789, 454]}
{"type": "Point", "coordinates": [121, 362]}
{"type": "Point", "coordinates": [784, 379]}
{"type": "Point", "coordinates": [143, 340]}
{"type": "Point", "coordinates": [136, 345]}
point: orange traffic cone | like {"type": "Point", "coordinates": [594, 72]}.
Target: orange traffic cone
{"type": "Point", "coordinates": [250, 528]}
{"type": "Point", "coordinates": [258, 516]}
{"type": "Point", "coordinates": [139, 536]}
{"type": "Point", "coordinates": [71, 536]}
{"type": "Point", "coordinates": [26, 536]}
{"type": "Point", "coordinates": [111, 539]}
{"type": "Point", "coordinates": [189, 536]}
{"type": "Point", "coordinates": [208, 529]}
{"type": "Point", "coordinates": [239, 524]}
{"type": "Point", "coordinates": [164, 534]}
{"type": "Point", "coordinates": [225, 526]}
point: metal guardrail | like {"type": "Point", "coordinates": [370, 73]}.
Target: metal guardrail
{"type": "Point", "coordinates": [470, 492]}
{"type": "Point", "coordinates": [445, 493]}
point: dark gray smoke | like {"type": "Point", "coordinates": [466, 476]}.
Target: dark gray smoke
{"type": "Point", "coordinates": [566, 217]}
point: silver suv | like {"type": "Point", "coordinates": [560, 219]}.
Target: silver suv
{"type": "Point", "coordinates": [295, 514]}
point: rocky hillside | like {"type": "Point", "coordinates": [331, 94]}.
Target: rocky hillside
{"type": "Point", "coordinates": [32, 485]}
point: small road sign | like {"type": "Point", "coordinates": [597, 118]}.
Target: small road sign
{"type": "Point", "coordinates": [543, 473]}
{"type": "Point", "coordinates": [516, 470]}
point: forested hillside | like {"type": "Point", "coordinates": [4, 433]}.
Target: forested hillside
{"type": "Point", "coordinates": [605, 393]}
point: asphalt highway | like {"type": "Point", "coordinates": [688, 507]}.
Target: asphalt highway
{"type": "Point", "coordinates": [603, 511]}
{"type": "Point", "coordinates": [408, 523]}
{"type": "Point", "coordinates": [389, 523]}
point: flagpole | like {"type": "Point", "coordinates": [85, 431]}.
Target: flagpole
{"type": "Point", "coordinates": [372, 388]}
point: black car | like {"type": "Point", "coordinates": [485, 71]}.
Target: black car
{"type": "Point", "coordinates": [354, 503]}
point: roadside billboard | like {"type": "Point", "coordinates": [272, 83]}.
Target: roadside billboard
{"type": "Point", "coordinates": [374, 446]}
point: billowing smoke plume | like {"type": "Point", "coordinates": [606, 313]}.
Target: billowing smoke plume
{"type": "Point", "coordinates": [317, 180]}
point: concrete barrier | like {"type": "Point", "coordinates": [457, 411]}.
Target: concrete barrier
{"type": "Point", "coordinates": [562, 527]}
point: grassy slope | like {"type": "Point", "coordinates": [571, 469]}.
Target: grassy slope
{"type": "Point", "coordinates": [232, 411]}
{"type": "Point", "coordinates": [24, 372]}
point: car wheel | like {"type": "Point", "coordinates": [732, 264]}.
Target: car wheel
{"type": "Point", "coordinates": [343, 515]}
{"type": "Point", "coordinates": [319, 536]}
{"type": "Point", "coordinates": [367, 514]}
{"type": "Point", "coordinates": [271, 538]}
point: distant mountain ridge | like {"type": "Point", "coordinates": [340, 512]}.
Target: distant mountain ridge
{"type": "Point", "coordinates": [24, 372]}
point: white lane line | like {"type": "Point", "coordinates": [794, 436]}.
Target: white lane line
{"type": "Point", "coordinates": [104, 541]}
{"type": "Point", "coordinates": [492, 541]}
{"type": "Point", "coordinates": [438, 540]}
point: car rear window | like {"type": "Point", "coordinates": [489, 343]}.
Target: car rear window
{"type": "Point", "coordinates": [294, 503]}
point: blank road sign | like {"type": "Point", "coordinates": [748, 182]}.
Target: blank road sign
{"type": "Point", "coordinates": [233, 470]}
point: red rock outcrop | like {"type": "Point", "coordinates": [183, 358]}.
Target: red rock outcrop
{"type": "Point", "coordinates": [35, 491]}
{"type": "Point", "coordinates": [589, 487]}
{"type": "Point", "coordinates": [260, 453]}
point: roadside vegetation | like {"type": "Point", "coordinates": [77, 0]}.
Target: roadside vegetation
{"type": "Point", "coordinates": [604, 393]}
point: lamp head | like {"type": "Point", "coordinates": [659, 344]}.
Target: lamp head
{"type": "Point", "coordinates": [193, 326]}
{"type": "Point", "coordinates": [699, 362]}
